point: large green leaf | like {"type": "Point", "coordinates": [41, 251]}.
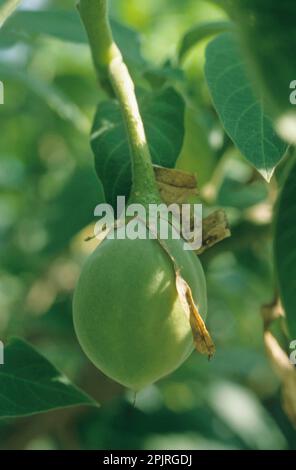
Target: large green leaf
{"type": "Point", "coordinates": [285, 248]}
{"type": "Point", "coordinates": [82, 191]}
{"type": "Point", "coordinates": [233, 193]}
{"type": "Point", "coordinates": [65, 25]}
{"type": "Point", "coordinates": [268, 33]}
{"type": "Point", "coordinates": [30, 384]}
{"type": "Point", "coordinates": [26, 24]}
{"type": "Point", "coordinates": [242, 113]}
{"type": "Point", "coordinates": [200, 32]}
{"type": "Point", "coordinates": [163, 116]}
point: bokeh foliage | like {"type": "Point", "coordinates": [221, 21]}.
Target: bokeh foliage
{"type": "Point", "coordinates": [48, 193]}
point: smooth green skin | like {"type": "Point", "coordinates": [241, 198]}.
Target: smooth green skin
{"type": "Point", "coordinates": [127, 314]}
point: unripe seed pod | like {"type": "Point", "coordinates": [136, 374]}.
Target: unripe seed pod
{"type": "Point", "coordinates": [128, 316]}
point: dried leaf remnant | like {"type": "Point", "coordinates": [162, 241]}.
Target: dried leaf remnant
{"type": "Point", "coordinates": [202, 339]}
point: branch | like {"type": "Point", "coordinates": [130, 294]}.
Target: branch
{"type": "Point", "coordinates": [286, 373]}
{"type": "Point", "coordinates": [279, 360]}
{"type": "Point", "coordinates": [110, 66]}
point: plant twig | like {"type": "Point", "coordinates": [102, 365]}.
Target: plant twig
{"type": "Point", "coordinates": [279, 360]}
{"type": "Point", "coordinates": [286, 373]}
{"type": "Point", "coordinates": [110, 66]}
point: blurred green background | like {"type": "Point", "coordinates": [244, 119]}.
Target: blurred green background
{"type": "Point", "coordinates": [48, 193]}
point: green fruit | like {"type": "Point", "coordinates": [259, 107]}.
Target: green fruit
{"type": "Point", "coordinates": [127, 313]}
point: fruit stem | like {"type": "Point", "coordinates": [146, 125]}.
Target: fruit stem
{"type": "Point", "coordinates": [111, 69]}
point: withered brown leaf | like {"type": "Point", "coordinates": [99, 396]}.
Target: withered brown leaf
{"type": "Point", "coordinates": [175, 186]}
{"type": "Point", "coordinates": [202, 339]}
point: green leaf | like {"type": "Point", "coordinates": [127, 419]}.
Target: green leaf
{"type": "Point", "coordinates": [234, 193]}
{"type": "Point", "coordinates": [285, 248]}
{"type": "Point", "coordinates": [163, 116]}
{"type": "Point", "coordinates": [30, 384]}
{"type": "Point", "coordinates": [54, 97]}
{"type": "Point", "coordinates": [165, 75]}
{"type": "Point", "coordinates": [66, 25]}
{"type": "Point", "coordinates": [27, 24]}
{"type": "Point", "coordinates": [268, 33]}
{"type": "Point", "coordinates": [83, 181]}
{"type": "Point", "coordinates": [242, 113]}
{"type": "Point", "coordinates": [200, 32]}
